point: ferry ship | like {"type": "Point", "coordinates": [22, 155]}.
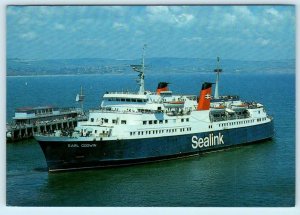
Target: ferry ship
{"type": "Point", "coordinates": [144, 126]}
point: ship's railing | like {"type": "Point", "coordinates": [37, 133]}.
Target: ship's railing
{"type": "Point", "coordinates": [102, 110]}
{"type": "Point", "coordinates": [122, 92]}
{"type": "Point", "coordinates": [226, 118]}
{"type": "Point", "coordinates": [46, 122]}
{"type": "Point", "coordinates": [171, 113]}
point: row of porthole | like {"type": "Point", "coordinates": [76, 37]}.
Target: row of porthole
{"type": "Point", "coordinates": [236, 123]}
{"type": "Point", "coordinates": [159, 131]}
{"type": "Point", "coordinates": [150, 122]}
{"type": "Point", "coordinates": [240, 122]}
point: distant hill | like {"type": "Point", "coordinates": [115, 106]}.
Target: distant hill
{"type": "Point", "coordinates": [21, 67]}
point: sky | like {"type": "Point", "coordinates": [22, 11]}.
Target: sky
{"type": "Point", "coordinates": [119, 32]}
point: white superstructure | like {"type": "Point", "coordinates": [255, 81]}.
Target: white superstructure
{"type": "Point", "coordinates": [145, 114]}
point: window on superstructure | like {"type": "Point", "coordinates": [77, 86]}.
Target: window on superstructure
{"type": "Point", "coordinates": [117, 99]}
{"type": "Point", "coordinates": [127, 100]}
{"type": "Point", "coordinates": [123, 121]}
{"type": "Point", "coordinates": [114, 121]}
{"type": "Point", "coordinates": [95, 131]}
{"type": "Point", "coordinates": [92, 119]}
{"type": "Point", "coordinates": [106, 121]}
{"type": "Point", "coordinates": [187, 119]}
{"type": "Point", "coordinates": [139, 100]}
{"type": "Point", "coordinates": [150, 122]}
{"type": "Point", "coordinates": [130, 133]}
{"type": "Point", "coordinates": [182, 120]}
{"type": "Point", "coordinates": [155, 121]}
{"type": "Point", "coordinates": [166, 121]}
{"type": "Point", "coordinates": [144, 122]}
{"type": "Point", "coordinates": [122, 100]}
{"type": "Point", "coordinates": [160, 121]}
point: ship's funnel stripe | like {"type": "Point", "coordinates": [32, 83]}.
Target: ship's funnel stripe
{"type": "Point", "coordinates": [162, 86]}
{"type": "Point", "coordinates": [205, 96]}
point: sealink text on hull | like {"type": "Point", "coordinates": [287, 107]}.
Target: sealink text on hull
{"type": "Point", "coordinates": [145, 126]}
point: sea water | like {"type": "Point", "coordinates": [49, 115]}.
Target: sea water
{"type": "Point", "coordinates": [254, 175]}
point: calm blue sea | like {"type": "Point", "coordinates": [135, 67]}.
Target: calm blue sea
{"type": "Point", "coordinates": [253, 175]}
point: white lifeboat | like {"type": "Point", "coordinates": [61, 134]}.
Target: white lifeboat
{"type": "Point", "coordinates": [174, 104]}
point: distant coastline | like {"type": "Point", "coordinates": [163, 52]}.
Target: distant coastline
{"type": "Point", "coordinates": [94, 66]}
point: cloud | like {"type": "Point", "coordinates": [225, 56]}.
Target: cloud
{"type": "Point", "coordinates": [58, 26]}
{"type": "Point", "coordinates": [138, 33]}
{"type": "Point", "coordinates": [120, 26]}
{"type": "Point", "coordinates": [244, 14]}
{"type": "Point", "coordinates": [229, 19]}
{"type": "Point", "coordinates": [192, 39]}
{"type": "Point", "coordinates": [262, 41]}
{"type": "Point", "coordinates": [164, 14]}
{"type": "Point", "coordinates": [272, 12]}
{"type": "Point", "coordinates": [28, 36]}
{"type": "Point", "coordinates": [92, 42]}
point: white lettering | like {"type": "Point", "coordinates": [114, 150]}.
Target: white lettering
{"type": "Point", "coordinates": [194, 140]}
{"type": "Point", "coordinates": [206, 142]}
{"type": "Point", "coordinates": [211, 140]}
{"type": "Point", "coordinates": [73, 145]}
{"type": "Point", "coordinates": [221, 139]}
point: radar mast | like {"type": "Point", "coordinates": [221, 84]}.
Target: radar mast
{"type": "Point", "coordinates": [217, 70]}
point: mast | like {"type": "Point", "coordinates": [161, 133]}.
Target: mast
{"type": "Point", "coordinates": [142, 76]}
{"type": "Point", "coordinates": [80, 98]}
{"type": "Point", "coordinates": [217, 70]}
{"type": "Point", "coordinates": [141, 69]}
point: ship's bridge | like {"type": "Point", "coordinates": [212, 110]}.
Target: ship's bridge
{"type": "Point", "coordinates": [124, 97]}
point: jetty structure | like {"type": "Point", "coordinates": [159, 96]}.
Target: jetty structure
{"type": "Point", "coordinates": [147, 126]}
{"type": "Point", "coordinates": [43, 119]}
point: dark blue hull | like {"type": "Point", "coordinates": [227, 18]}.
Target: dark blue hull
{"type": "Point", "coordinates": [95, 154]}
